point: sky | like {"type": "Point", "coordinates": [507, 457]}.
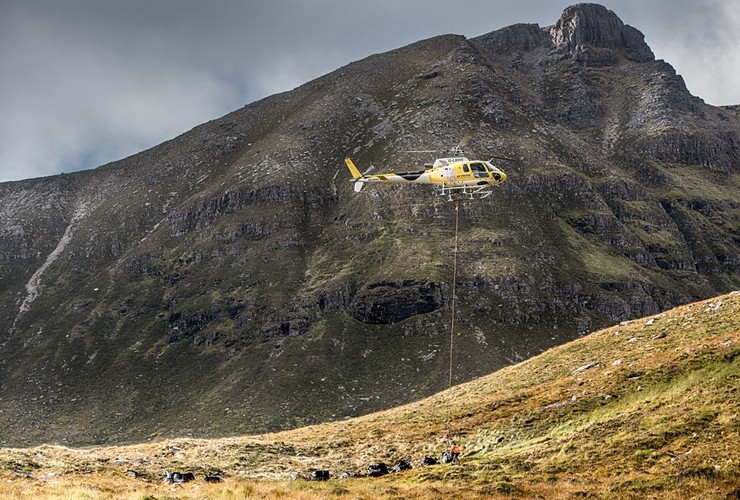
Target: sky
{"type": "Point", "coordinates": [87, 82]}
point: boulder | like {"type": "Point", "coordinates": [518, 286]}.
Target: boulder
{"type": "Point", "coordinates": [401, 465]}
{"type": "Point", "coordinates": [320, 475]}
{"type": "Point", "coordinates": [377, 470]}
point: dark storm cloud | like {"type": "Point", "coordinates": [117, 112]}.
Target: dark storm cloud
{"type": "Point", "coordinates": [84, 82]}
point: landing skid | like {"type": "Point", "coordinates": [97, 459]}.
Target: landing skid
{"type": "Point", "coordinates": [472, 191]}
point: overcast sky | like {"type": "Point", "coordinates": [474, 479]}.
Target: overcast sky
{"type": "Point", "coordinates": [86, 82]}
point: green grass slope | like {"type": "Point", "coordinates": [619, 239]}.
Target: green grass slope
{"type": "Point", "coordinates": [648, 408]}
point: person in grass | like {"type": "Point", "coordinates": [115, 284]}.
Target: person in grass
{"type": "Point", "coordinates": [455, 451]}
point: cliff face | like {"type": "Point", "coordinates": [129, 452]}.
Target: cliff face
{"type": "Point", "coordinates": [594, 35]}
{"type": "Point", "coordinates": [229, 280]}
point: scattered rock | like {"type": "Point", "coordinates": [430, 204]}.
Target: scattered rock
{"type": "Point", "coordinates": [178, 477]}
{"type": "Point", "coordinates": [401, 465]}
{"type": "Point", "coordinates": [585, 367]}
{"type": "Point", "coordinates": [377, 470]}
{"type": "Point", "coordinates": [320, 475]}
{"type": "Point", "coordinates": [714, 306]}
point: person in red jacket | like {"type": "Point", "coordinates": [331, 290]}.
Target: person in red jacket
{"type": "Point", "coordinates": [455, 451]}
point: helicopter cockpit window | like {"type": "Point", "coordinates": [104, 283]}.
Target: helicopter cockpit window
{"type": "Point", "coordinates": [479, 170]}
{"type": "Point", "coordinates": [466, 168]}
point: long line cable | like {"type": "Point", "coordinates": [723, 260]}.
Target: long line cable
{"type": "Point", "coordinates": [454, 299]}
{"type": "Point", "coordinates": [454, 285]}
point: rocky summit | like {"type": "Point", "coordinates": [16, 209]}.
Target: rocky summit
{"type": "Point", "coordinates": [230, 281]}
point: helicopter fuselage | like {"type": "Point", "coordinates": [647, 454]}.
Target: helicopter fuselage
{"type": "Point", "coordinates": [447, 172]}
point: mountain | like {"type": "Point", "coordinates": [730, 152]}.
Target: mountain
{"type": "Point", "coordinates": [229, 280]}
{"type": "Point", "coordinates": [647, 408]}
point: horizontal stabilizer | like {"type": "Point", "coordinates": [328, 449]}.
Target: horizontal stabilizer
{"type": "Point", "coordinates": [359, 186]}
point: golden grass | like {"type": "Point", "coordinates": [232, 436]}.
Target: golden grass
{"type": "Point", "coordinates": [650, 408]}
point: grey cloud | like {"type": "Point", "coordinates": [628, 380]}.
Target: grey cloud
{"type": "Point", "coordinates": [85, 82]}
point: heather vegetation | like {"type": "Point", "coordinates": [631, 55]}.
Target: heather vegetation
{"type": "Point", "coordinates": [646, 408]}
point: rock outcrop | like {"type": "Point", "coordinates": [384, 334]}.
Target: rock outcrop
{"type": "Point", "coordinates": [596, 36]}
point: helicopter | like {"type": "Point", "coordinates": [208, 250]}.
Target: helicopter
{"type": "Point", "coordinates": [454, 174]}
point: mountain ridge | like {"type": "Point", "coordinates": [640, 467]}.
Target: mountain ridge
{"type": "Point", "coordinates": [239, 249]}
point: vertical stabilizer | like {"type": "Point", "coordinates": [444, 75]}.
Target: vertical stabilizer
{"type": "Point", "coordinates": [353, 170]}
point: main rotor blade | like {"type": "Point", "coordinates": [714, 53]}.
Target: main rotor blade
{"type": "Point", "coordinates": [466, 138]}
{"type": "Point", "coordinates": [499, 157]}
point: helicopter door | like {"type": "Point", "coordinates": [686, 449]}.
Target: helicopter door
{"type": "Point", "coordinates": [463, 172]}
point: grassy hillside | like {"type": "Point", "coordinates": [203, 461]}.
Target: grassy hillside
{"type": "Point", "coordinates": [648, 408]}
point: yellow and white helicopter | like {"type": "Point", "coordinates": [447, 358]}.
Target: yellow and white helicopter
{"type": "Point", "coordinates": [455, 174]}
